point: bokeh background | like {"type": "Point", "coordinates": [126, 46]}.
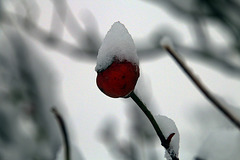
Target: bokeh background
{"type": "Point", "coordinates": [48, 52]}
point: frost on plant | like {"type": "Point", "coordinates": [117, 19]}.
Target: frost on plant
{"type": "Point", "coordinates": [119, 44]}
{"type": "Point", "coordinates": [168, 127]}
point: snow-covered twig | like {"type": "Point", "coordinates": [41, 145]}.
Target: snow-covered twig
{"type": "Point", "coordinates": [64, 132]}
{"type": "Point", "coordinates": [164, 142]}
{"type": "Point", "coordinates": [201, 87]}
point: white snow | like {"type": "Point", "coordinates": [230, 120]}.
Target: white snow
{"type": "Point", "coordinates": [168, 127]}
{"type": "Point", "coordinates": [117, 43]}
{"type": "Point", "coordinates": [166, 41]}
{"type": "Point", "coordinates": [221, 145]}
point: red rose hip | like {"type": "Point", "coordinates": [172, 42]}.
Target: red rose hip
{"type": "Point", "coordinates": [119, 79]}
{"type": "Point", "coordinates": [117, 63]}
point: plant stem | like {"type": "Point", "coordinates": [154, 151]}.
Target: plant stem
{"type": "Point", "coordinates": [63, 128]}
{"type": "Point", "coordinates": [201, 87]}
{"type": "Point", "coordinates": [149, 115]}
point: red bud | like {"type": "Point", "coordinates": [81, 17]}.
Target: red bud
{"type": "Point", "coordinates": [119, 79]}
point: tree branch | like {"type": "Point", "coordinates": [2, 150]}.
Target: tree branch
{"type": "Point", "coordinates": [164, 142]}
{"type": "Point", "coordinates": [63, 128]}
{"type": "Point", "coordinates": [201, 87]}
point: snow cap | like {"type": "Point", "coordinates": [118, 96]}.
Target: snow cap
{"type": "Point", "coordinates": [118, 44]}
{"type": "Point", "coordinates": [166, 41]}
{"type": "Point", "coordinates": [168, 127]}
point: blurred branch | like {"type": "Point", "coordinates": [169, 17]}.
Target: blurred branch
{"type": "Point", "coordinates": [176, 7]}
{"type": "Point", "coordinates": [164, 142]}
{"type": "Point", "coordinates": [119, 148]}
{"type": "Point", "coordinates": [87, 49]}
{"type": "Point", "coordinates": [220, 14]}
{"type": "Point", "coordinates": [198, 12]}
{"type": "Point", "coordinates": [57, 27]}
{"type": "Point", "coordinates": [200, 31]}
{"type": "Point", "coordinates": [72, 26]}
{"type": "Point", "coordinates": [63, 128]}
{"type": "Point", "coordinates": [220, 62]}
{"type": "Point", "coordinates": [31, 8]}
{"type": "Point", "coordinates": [50, 40]}
{"type": "Point", "coordinates": [201, 87]}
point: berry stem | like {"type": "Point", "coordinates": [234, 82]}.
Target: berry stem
{"type": "Point", "coordinates": [63, 128]}
{"type": "Point", "coordinates": [201, 87]}
{"type": "Point", "coordinates": [149, 115]}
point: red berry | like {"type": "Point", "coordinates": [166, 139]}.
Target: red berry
{"type": "Point", "coordinates": [119, 79]}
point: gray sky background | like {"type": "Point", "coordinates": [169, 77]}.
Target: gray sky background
{"type": "Point", "coordinates": [171, 91]}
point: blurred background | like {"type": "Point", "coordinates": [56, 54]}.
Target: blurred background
{"type": "Point", "coordinates": [48, 51]}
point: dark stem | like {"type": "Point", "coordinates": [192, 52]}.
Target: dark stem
{"type": "Point", "coordinates": [201, 87]}
{"type": "Point", "coordinates": [63, 128]}
{"type": "Point", "coordinates": [149, 115]}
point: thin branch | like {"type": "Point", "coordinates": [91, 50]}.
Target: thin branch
{"type": "Point", "coordinates": [201, 87]}
{"type": "Point", "coordinates": [212, 58]}
{"type": "Point", "coordinates": [63, 128]}
{"type": "Point", "coordinates": [164, 142]}
{"type": "Point", "coordinates": [219, 62]}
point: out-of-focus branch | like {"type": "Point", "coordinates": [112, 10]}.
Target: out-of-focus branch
{"type": "Point", "coordinates": [50, 40]}
{"type": "Point", "coordinates": [90, 49]}
{"type": "Point", "coordinates": [63, 128]}
{"type": "Point", "coordinates": [201, 11]}
{"type": "Point", "coordinates": [220, 14]}
{"type": "Point", "coordinates": [90, 55]}
{"type": "Point", "coordinates": [202, 37]}
{"type": "Point", "coordinates": [176, 8]}
{"type": "Point", "coordinates": [68, 19]}
{"type": "Point", "coordinates": [87, 38]}
{"type": "Point", "coordinates": [201, 87]}
{"type": "Point", "coordinates": [219, 61]}
{"type": "Point", "coordinates": [57, 27]}
{"type": "Point", "coordinates": [31, 8]}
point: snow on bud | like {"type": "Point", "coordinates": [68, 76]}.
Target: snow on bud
{"type": "Point", "coordinates": [117, 63]}
{"type": "Point", "coordinates": [166, 41]}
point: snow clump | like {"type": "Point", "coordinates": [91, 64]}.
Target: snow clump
{"type": "Point", "coordinates": [118, 44]}
{"type": "Point", "coordinates": [168, 127]}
